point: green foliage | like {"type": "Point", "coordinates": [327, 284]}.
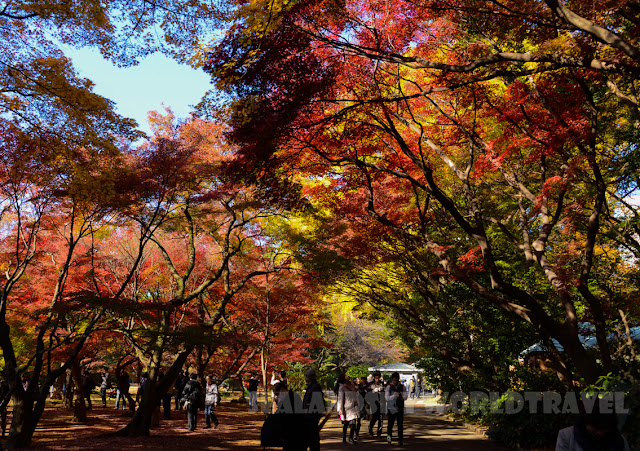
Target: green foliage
{"type": "Point", "coordinates": [358, 371]}
{"type": "Point", "coordinates": [627, 382]}
{"type": "Point", "coordinates": [524, 429]}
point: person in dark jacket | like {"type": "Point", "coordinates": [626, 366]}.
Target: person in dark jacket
{"type": "Point", "coordinates": [191, 398]}
{"type": "Point", "coordinates": [166, 399]}
{"type": "Point", "coordinates": [122, 380]}
{"type": "Point", "coordinates": [142, 385]}
{"type": "Point", "coordinates": [361, 386]}
{"type": "Point", "coordinates": [87, 387]}
{"type": "Point", "coordinates": [254, 381]}
{"type": "Point", "coordinates": [313, 406]}
{"type": "Point", "coordinates": [375, 392]}
{"type": "Point", "coordinates": [395, 394]}
{"type": "Point", "coordinates": [181, 381]}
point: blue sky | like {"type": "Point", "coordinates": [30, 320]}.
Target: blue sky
{"type": "Point", "coordinates": [157, 80]}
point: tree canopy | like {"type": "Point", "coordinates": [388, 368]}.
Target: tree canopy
{"type": "Point", "coordinates": [462, 173]}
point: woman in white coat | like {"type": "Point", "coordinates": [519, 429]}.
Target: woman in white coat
{"type": "Point", "coordinates": [348, 407]}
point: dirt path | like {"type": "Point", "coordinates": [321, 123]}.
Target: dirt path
{"type": "Point", "coordinates": [421, 432]}
{"type": "Point", "coordinates": [239, 430]}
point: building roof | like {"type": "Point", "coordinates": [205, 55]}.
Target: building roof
{"type": "Point", "coordinates": [396, 366]}
{"type": "Point", "coordinates": [587, 342]}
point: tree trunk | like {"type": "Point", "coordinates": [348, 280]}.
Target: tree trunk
{"type": "Point", "coordinates": [155, 417]}
{"type": "Point", "coordinates": [23, 424]}
{"type": "Point", "coordinates": [79, 407]}
{"type": "Point", "coordinates": [200, 361]}
{"type": "Point", "coordinates": [67, 400]}
{"type": "Point", "coordinates": [263, 368]}
{"type": "Point", "coordinates": [154, 391]}
{"type": "Point", "coordinates": [241, 386]}
{"type": "Point", "coordinates": [141, 422]}
{"type": "Point", "coordinates": [200, 366]}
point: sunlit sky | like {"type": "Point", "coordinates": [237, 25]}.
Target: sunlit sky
{"type": "Point", "coordinates": [155, 82]}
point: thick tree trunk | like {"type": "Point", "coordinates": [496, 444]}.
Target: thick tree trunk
{"type": "Point", "coordinates": [263, 369]}
{"type": "Point", "coordinates": [79, 407]}
{"type": "Point", "coordinates": [585, 363]}
{"type": "Point", "coordinates": [23, 423]}
{"type": "Point", "coordinates": [140, 424]}
{"type": "Point", "coordinates": [67, 401]}
{"type": "Point", "coordinates": [200, 366]}
{"type": "Point", "coordinates": [241, 386]}
{"type": "Point", "coordinates": [155, 417]}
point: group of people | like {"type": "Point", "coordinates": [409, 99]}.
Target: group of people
{"type": "Point", "coordinates": [360, 399]}
{"type": "Point", "coordinates": [414, 386]}
{"type": "Point", "coordinates": [193, 397]}
{"type": "Point", "coordinates": [186, 390]}
{"type": "Point", "coordinates": [294, 423]}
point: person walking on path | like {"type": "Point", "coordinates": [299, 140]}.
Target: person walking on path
{"type": "Point", "coordinates": [348, 407]}
{"type": "Point", "coordinates": [375, 391]}
{"type": "Point", "coordinates": [361, 388]}
{"type": "Point", "coordinates": [313, 406]}
{"type": "Point", "coordinates": [191, 397]}
{"type": "Point", "coordinates": [141, 386]}
{"type": "Point", "coordinates": [166, 399]}
{"type": "Point", "coordinates": [395, 395]}
{"type": "Point", "coordinates": [104, 386]}
{"type": "Point", "coordinates": [122, 380]}
{"type": "Point", "coordinates": [181, 381]}
{"type": "Point", "coordinates": [412, 387]}
{"type": "Point", "coordinates": [210, 402]}
{"type": "Point", "coordinates": [87, 387]}
{"type": "Point", "coordinates": [254, 381]}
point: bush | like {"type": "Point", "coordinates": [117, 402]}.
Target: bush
{"type": "Point", "coordinates": [521, 429]}
{"type": "Point", "coordinates": [526, 430]}
{"type": "Point", "coordinates": [358, 371]}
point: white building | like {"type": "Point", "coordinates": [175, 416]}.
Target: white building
{"type": "Point", "coordinates": [405, 370]}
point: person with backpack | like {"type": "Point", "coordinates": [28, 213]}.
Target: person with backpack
{"type": "Point", "coordinates": [192, 396]}
{"type": "Point", "coordinates": [395, 394]}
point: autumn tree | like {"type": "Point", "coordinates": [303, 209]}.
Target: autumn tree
{"type": "Point", "coordinates": [201, 256]}
{"type": "Point", "coordinates": [52, 298]}
{"type": "Point", "coordinates": [497, 137]}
